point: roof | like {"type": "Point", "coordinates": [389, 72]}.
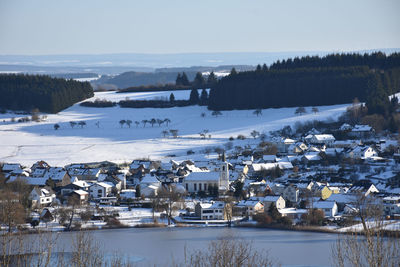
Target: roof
{"type": "Point", "coordinates": [149, 179]}
{"type": "Point", "coordinates": [271, 198]}
{"type": "Point", "coordinates": [324, 204]}
{"type": "Point", "coordinates": [324, 137]}
{"type": "Point", "coordinates": [103, 184]}
{"type": "Point", "coordinates": [203, 176]}
{"type": "Point", "coordinates": [248, 203]}
{"type": "Point", "coordinates": [361, 128]}
{"type": "Point", "coordinates": [81, 192]}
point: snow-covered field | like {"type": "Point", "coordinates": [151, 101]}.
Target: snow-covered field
{"type": "Point", "coordinates": [29, 142]}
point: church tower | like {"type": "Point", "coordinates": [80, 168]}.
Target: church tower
{"type": "Point", "coordinates": [224, 175]}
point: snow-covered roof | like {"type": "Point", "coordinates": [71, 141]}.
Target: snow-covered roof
{"type": "Point", "coordinates": [247, 203]}
{"type": "Point", "coordinates": [271, 198]}
{"type": "Point", "coordinates": [203, 176]}
{"type": "Point", "coordinates": [323, 205]}
{"type": "Point", "coordinates": [324, 137]}
{"type": "Point", "coordinates": [103, 184]}
{"type": "Point", "coordinates": [81, 192]}
{"type": "Point", "coordinates": [7, 167]}
{"type": "Point", "coordinates": [361, 128]}
{"type": "Point", "coordinates": [149, 179]}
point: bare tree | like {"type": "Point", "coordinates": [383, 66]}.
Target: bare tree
{"type": "Point", "coordinates": [254, 134]}
{"type": "Point", "coordinates": [257, 112]}
{"type": "Point", "coordinates": [228, 251]}
{"type": "Point", "coordinates": [300, 111]}
{"type": "Point", "coordinates": [144, 122]}
{"type": "Point", "coordinates": [82, 123]}
{"type": "Point", "coordinates": [216, 113]}
{"type": "Point", "coordinates": [72, 124]}
{"type": "Point", "coordinates": [167, 121]}
{"type": "Point", "coordinates": [12, 213]}
{"type": "Point", "coordinates": [372, 246]}
{"type": "Point", "coordinates": [128, 122]}
{"type": "Point", "coordinates": [56, 126]}
{"type": "Point", "coordinates": [122, 122]}
{"type": "Point", "coordinates": [97, 124]}
{"type": "Point", "coordinates": [168, 196]}
{"type": "Point", "coordinates": [159, 121]}
{"type": "Point", "coordinates": [315, 110]}
{"type": "Point", "coordinates": [174, 133]}
{"type": "Point", "coordinates": [137, 123]}
{"type": "Point", "coordinates": [153, 121]}
{"type": "Point", "coordinates": [164, 133]}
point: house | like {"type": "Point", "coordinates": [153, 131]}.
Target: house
{"type": "Point", "coordinates": [248, 207]}
{"type": "Point", "coordinates": [211, 211]}
{"type": "Point", "coordinates": [361, 131]}
{"type": "Point", "coordinates": [363, 187]}
{"type": "Point", "coordinates": [100, 190]}
{"type": "Point", "coordinates": [292, 213]}
{"type": "Point", "coordinates": [291, 193]}
{"type": "Point", "coordinates": [283, 144]}
{"type": "Point", "coordinates": [41, 196]}
{"type": "Point", "coordinates": [297, 148]}
{"type": "Point", "coordinates": [85, 173]}
{"type": "Point", "coordinates": [391, 205]}
{"type": "Point", "coordinates": [79, 196]}
{"type": "Point", "coordinates": [321, 139]}
{"type": "Point", "coordinates": [362, 152]}
{"type": "Point", "coordinates": [311, 157]}
{"type": "Point", "coordinates": [11, 167]}
{"type": "Point", "coordinates": [279, 202]}
{"type": "Point", "coordinates": [323, 192]}
{"type": "Point", "coordinates": [328, 207]}
{"type": "Point", "coordinates": [205, 181]}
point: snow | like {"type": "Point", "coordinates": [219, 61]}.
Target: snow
{"type": "Point", "coordinates": [29, 142]}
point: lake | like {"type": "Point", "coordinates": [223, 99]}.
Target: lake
{"type": "Point", "coordinates": [160, 245]}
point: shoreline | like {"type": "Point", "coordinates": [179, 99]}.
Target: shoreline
{"type": "Point", "coordinates": [313, 229]}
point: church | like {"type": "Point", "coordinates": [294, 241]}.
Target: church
{"type": "Point", "coordinates": [204, 181]}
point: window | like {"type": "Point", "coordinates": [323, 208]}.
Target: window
{"type": "Point", "coordinates": [199, 186]}
{"type": "Point", "coordinates": [47, 199]}
{"type": "Point", "coordinates": [99, 191]}
{"type": "Point", "coordinates": [205, 187]}
{"type": "Point", "coordinates": [195, 187]}
{"type": "Point", "coordinates": [187, 187]}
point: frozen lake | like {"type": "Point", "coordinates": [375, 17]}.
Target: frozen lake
{"type": "Point", "coordinates": [158, 246]}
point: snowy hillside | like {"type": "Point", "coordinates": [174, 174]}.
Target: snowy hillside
{"type": "Point", "coordinates": [29, 142]}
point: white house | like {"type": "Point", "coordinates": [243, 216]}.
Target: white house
{"type": "Point", "coordinates": [279, 202]}
{"type": "Point", "coordinates": [249, 207]}
{"type": "Point", "coordinates": [363, 152]}
{"type": "Point", "coordinates": [391, 205]}
{"type": "Point", "coordinates": [210, 211]}
{"type": "Point", "coordinates": [321, 139]}
{"type": "Point", "coordinates": [99, 190]}
{"type": "Point", "coordinates": [41, 196]}
{"type": "Point", "coordinates": [328, 207]}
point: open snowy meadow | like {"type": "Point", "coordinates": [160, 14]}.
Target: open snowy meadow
{"type": "Point", "coordinates": [103, 138]}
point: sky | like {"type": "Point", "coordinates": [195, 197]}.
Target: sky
{"type": "Point", "coordinates": [45, 27]}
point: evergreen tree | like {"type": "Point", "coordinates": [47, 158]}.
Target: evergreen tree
{"type": "Point", "coordinates": [199, 81]}
{"type": "Point", "coordinates": [194, 97]}
{"type": "Point", "coordinates": [212, 79]}
{"type": "Point", "coordinates": [171, 98]}
{"type": "Point", "coordinates": [178, 80]}
{"type": "Point", "coordinates": [258, 69]}
{"type": "Point", "coordinates": [233, 72]}
{"type": "Point", "coordinates": [264, 68]}
{"type": "Point", "coordinates": [184, 79]}
{"type": "Point", "coordinates": [204, 97]}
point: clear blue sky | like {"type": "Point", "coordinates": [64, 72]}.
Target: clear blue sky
{"type": "Point", "coordinates": [34, 27]}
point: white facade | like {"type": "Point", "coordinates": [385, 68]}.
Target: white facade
{"type": "Point", "coordinates": [99, 190]}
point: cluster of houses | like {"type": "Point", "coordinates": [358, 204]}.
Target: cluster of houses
{"type": "Point", "coordinates": [305, 182]}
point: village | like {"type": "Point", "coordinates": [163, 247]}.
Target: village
{"type": "Point", "coordinates": [312, 178]}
